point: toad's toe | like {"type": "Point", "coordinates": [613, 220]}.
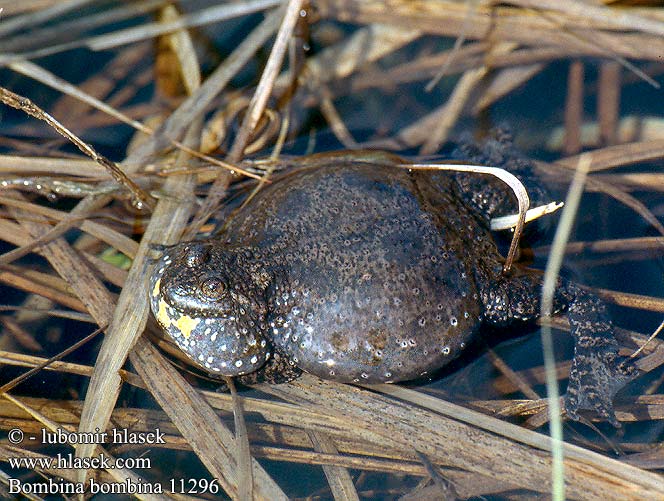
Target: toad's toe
{"type": "Point", "coordinates": [595, 378]}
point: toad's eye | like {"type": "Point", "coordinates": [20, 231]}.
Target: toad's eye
{"type": "Point", "coordinates": [213, 288]}
{"type": "Point", "coordinates": [196, 256]}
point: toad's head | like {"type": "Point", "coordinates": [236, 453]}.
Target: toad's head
{"type": "Point", "coordinates": [210, 299]}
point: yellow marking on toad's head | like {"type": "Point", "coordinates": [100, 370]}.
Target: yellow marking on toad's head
{"type": "Point", "coordinates": [162, 314]}
{"type": "Point", "coordinates": [155, 290]}
{"type": "Point", "coordinates": [186, 324]}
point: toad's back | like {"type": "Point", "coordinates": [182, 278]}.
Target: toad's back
{"type": "Point", "coordinates": [371, 269]}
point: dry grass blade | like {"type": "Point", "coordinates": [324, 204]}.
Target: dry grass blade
{"type": "Point", "coordinates": [334, 119]}
{"type": "Point", "coordinates": [366, 45]}
{"type": "Point", "coordinates": [9, 7]}
{"type": "Point", "coordinates": [429, 432]}
{"type": "Point", "coordinates": [20, 335]}
{"type": "Point", "coordinates": [616, 18]}
{"type": "Point", "coordinates": [649, 340]}
{"type": "Point", "coordinates": [619, 155]}
{"type": "Point", "coordinates": [128, 322]}
{"type": "Point", "coordinates": [212, 440]}
{"type": "Point", "coordinates": [282, 438]}
{"type": "Point", "coordinates": [44, 76]}
{"type": "Point", "coordinates": [200, 18]}
{"type": "Point", "coordinates": [452, 110]}
{"type": "Point", "coordinates": [15, 359]}
{"type": "Point", "coordinates": [637, 301]}
{"type": "Point", "coordinates": [52, 166]}
{"type": "Point", "coordinates": [442, 487]}
{"type": "Point", "coordinates": [585, 34]}
{"type": "Point", "coordinates": [130, 317]}
{"type": "Point", "coordinates": [148, 31]}
{"type": "Point", "coordinates": [192, 107]}
{"type": "Point", "coordinates": [32, 70]}
{"type": "Point", "coordinates": [30, 283]}
{"type": "Point", "coordinates": [623, 197]}
{"type": "Point", "coordinates": [548, 292]}
{"type": "Point", "coordinates": [518, 382]}
{"type": "Point", "coordinates": [454, 53]}
{"type": "Point", "coordinates": [14, 382]}
{"type": "Point", "coordinates": [510, 180]}
{"type": "Point", "coordinates": [629, 201]}
{"type": "Point", "coordinates": [180, 47]}
{"type": "Point", "coordinates": [74, 270]}
{"type": "Point", "coordinates": [504, 82]}
{"type": "Point", "coordinates": [608, 102]}
{"type": "Point", "coordinates": [574, 108]}
{"type": "Point", "coordinates": [507, 222]}
{"type": "Point", "coordinates": [243, 459]}
{"type": "Point", "coordinates": [119, 474]}
{"type": "Point", "coordinates": [339, 479]}
{"type": "Point", "coordinates": [635, 182]}
{"type": "Point", "coordinates": [71, 315]}
{"type": "Point", "coordinates": [142, 199]}
{"type": "Point", "coordinates": [256, 109]}
{"type": "Point", "coordinates": [117, 240]}
{"type": "Point", "coordinates": [450, 113]}
{"type": "Point", "coordinates": [614, 245]}
{"type": "Point", "coordinates": [20, 22]}
{"type": "Point", "coordinates": [268, 77]}
{"type": "Point", "coordinates": [51, 33]}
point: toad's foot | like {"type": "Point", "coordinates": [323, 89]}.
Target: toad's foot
{"type": "Point", "coordinates": [598, 371]}
{"type": "Point", "coordinates": [596, 376]}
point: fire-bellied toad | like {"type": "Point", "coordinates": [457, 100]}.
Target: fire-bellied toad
{"type": "Point", "coordinates": [365, 272]}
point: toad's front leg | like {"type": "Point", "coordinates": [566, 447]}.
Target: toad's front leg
{"type": "Point", "coordinates": [598, 372]}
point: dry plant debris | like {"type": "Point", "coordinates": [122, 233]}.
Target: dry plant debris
{"type": "Point", "coordinates": [180, 103]}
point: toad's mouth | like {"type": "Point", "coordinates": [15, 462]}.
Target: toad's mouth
{"type": "Point", "coordinates": [216, 344]}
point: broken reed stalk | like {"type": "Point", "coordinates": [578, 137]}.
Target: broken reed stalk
{"type": "Point", "coordinates": [574, 108]}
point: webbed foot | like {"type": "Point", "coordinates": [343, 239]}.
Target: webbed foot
{"type": "Point", "coordinates": [597, 374]}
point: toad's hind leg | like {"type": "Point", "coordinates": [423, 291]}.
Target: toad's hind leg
{"type": "Point", "coordinates": [598, 372]}
{"type": "Point", "coordinates": [488, 195]}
